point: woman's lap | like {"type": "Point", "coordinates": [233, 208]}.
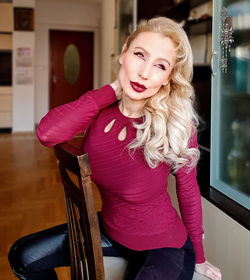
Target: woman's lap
{"type": "Point", "coordinates": [34, 257]}
{"type": "Point", "coordinates": [159, 264]}
{"type": "Point", "coordinates": [169, 264]}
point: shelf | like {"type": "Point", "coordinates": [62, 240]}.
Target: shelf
{"type": "Point", "coordinates": [241, 35]}
{"type": "Point", "coordinates": [6, 33]}
{"type": "Point", "coordinates": [177, 12]}
{"type": "Point", "coordinates": [197, 65]}
{"type": "Point", "coordinates": [231, 91]}
{"type": "Point", "coordinates": [177, 6]}
{"type": "Point", "coordinates": [195, 3]}
{"type": "Point", "coordinates": [242, 30]}
{"type": "Point", "coordinates": [237, 95]}
{"type": "Point", "coordinates": [198, 26]}
{"type": "Point", "coordinates": [152, 8]}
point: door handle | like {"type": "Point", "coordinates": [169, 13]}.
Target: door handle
{"type": "Point", "coordinates": [55, 79]}
{"type": "Point", "coordinates": [211, 62]}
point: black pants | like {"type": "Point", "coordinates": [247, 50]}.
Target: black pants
{"type": "Point", "coordinates": [35, 256]}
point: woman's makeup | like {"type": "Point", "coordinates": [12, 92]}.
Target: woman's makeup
{"type": "Point", "coordinates": [146, 65]}
{"type": "Point", "coordinates": [137, 87]}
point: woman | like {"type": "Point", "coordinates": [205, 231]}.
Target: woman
{"type": "Point", "coordinates": [133, 144]}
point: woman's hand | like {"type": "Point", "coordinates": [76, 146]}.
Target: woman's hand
{"type": "Point", "coordinates": [117, 88]}
{"type": "Point", "coordinates": [208, 270]}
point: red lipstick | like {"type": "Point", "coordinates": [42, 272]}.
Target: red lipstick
{"type": "Point", "coordinates": [137, 87]}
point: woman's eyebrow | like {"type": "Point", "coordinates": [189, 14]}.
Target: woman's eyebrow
{"type": "Point", "coordinates": [159, 58]}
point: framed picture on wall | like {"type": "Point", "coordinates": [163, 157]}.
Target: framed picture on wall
{"type": "Point", "coordinates": [24, 19]}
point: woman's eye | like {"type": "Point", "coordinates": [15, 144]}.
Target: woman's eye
{"type": "Point", "coordinates": [161, 66]}
{"type": "Point", "coordinates": [139, 54]}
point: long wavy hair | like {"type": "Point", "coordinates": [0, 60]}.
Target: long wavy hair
{"type": "Point", "coordinates": [169, 116]}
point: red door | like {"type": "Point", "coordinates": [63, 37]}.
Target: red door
{"type": "Point", "coordinates": [71, 65]}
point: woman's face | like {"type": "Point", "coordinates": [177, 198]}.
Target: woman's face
{"type": "Point", "coordinates": [146, 65]}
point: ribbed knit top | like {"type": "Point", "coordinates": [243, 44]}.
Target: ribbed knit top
{"type": "Point", "coordinates": [137, 211]}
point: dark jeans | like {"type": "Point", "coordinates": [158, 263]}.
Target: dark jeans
{"type": "Point", "coordinates": [35, 256]}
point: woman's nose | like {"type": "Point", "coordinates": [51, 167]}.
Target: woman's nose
{"type": "Point", "coordinates": [144, 71]}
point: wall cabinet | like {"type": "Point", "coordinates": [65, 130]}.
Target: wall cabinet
{"type": "Point", "coordinates": [230, 141]}
{"type": "Point", "coordinates": [194, 15]}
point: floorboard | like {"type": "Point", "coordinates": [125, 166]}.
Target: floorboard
{"type": "Point", "coordinates": [31, 195]}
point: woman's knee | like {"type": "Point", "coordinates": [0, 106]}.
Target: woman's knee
{"type": "Point", "coordinates": [28, 250]}
{"type": "Point", "coordinates": [18, 257]}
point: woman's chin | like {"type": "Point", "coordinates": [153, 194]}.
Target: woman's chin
{"type": "Point", "coordinates": [134, 95]}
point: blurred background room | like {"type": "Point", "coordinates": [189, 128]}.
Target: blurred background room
{"type": "Point", "coordinates": [52, 51]}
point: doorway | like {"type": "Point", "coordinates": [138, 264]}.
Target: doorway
{"type": "Point", "coordinates": [71, 65]}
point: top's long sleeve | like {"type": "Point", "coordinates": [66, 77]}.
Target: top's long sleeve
{"type": "Point", "coordinates": [190, 204]}
{"type": "Point", "coordinates": [64, 122]}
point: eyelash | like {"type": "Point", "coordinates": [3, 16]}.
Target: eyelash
{"type": "Point", "coordinates": [161, 66]}
{"type": "Point", "coordinates": [140, 55]}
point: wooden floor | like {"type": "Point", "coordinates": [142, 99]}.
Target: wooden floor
{"type": "Point", "coordinates": [31, 197]}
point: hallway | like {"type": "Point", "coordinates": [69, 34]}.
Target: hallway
{"type": "Point", "coordinates": [31, 195]}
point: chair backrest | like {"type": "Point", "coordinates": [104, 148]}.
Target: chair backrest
{"type": "Point", "coordinates": [84, 233]}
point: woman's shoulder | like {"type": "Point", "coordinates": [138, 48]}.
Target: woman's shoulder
{"type": "Point", "coordinates": [106, 113]}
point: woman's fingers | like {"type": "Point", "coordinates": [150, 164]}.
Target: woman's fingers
{"type": "Point", "coordinates": [117, 88]}
{"type": "Point", "coordinates": [208, 270]}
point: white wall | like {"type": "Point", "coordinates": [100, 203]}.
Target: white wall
{"type": "Point", "coordinates": [23, 95]}
{"type": "Point", "coordinates": [226, 243]}
{"type": "Point", "coordinates": [63, 15]}
{"type": "Point", "coordinates": [6, 25]}
{"type": "Point", "coordinates": [6, 18]}
{"type": "Point", "coordinates": [107, 40]}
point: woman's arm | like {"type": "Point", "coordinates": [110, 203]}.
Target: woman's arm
{"type": "Point", "coordinates": [190, 206]}
{"type": "Point", "coordinates": [190, 203]}
{"type": "Point", "coordinates": [64, 122]}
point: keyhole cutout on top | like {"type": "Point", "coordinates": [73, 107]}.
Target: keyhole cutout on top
{"type": "Point", "coordinates": [123, 133]}
{"type": "Point", "coordinates": [109, 126]}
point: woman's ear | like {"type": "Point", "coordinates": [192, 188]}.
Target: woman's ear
{"type": "Point", "coordinates": [124, 49]}
{"type": "Point", "coordinates": [167, 81]}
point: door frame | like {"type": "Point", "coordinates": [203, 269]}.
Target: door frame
{"type": "Point", "coordinates": [96, 54]}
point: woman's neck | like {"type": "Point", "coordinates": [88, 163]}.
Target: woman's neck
{"type": "Point", "coordinates": [131, 108]}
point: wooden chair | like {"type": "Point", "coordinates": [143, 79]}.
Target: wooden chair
{"type": "Point", "coordinates": [84, 233]}
{"type": "Point", "coordinates": [87, 260]}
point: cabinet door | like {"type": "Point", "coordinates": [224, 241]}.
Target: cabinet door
{"type": "Point", "coordinates": [230, 114]}
{"type": "Point", "coordinates": [127, 19]}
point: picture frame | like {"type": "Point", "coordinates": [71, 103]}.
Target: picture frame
{"type": "Point", "coordinates": [23, 19]}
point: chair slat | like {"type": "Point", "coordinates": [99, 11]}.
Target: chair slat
{"type": "Point", "coordinates": [84, 232]}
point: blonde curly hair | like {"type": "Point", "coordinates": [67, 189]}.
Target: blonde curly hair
{"type": "Point", "coordinates": [169, 116]}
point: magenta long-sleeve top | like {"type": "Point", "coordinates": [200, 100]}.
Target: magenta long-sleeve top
{"type": "Point", "coordinates": [137, 211]}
